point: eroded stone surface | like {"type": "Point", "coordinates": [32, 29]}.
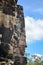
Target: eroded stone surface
{"type": "Point", "coordinates": [12, 29]}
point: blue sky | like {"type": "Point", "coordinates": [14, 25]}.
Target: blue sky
{"type": "Point", "coordinates": [33, 13]}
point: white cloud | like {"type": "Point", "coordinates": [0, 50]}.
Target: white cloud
{"type": "Point", "coordinates": [37, 55]}
{"type": "Point", "coordinates": [34, 29]}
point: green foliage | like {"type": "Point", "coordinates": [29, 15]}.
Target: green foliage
{"type": "Point", "coordinates": [35, 60]}
{"type": "Point", "coordinates": [30, 63]}
{"type": "Point", "coordinates": [34, 63]}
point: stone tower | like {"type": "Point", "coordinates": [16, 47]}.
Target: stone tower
{"type": "Point", "coordinates": [12, 33]}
